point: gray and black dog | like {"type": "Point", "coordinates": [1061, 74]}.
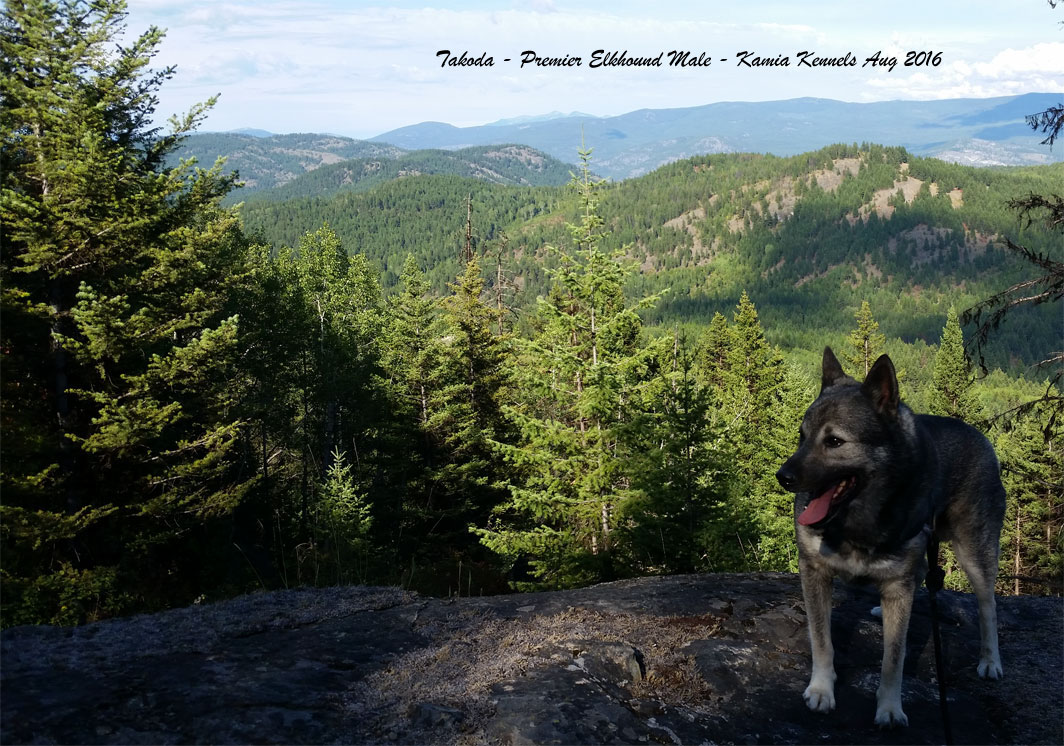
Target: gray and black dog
{"type": "Point", "coordinates": [870, 480]}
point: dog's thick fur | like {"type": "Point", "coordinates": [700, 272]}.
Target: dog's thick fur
{"type": "Point", "coordinates": [870, 478]}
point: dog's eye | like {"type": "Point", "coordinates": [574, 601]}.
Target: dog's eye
{"type": "Point", "coordinates": [833, 442]}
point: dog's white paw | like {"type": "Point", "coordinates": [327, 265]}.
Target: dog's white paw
{"type": "Point", "coordinates": [891, 716]}
{"type": "Point", "coordinates": [989, 668]}
{"type": "Point", "coordinates": [877, 612]}
{"type": "Point", "coordinates": [819, 698]}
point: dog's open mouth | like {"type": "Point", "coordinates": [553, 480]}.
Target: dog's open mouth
{"type": "Point", "coordinates": [820, 507]}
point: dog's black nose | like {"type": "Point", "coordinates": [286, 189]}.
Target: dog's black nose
{"type": "Point", "coordinates": [787, 478]}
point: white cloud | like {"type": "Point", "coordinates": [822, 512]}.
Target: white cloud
{"type": "Point", "coordinates": [1041, 59]}
{"type": "Point", "coordinates": [1011, 71]}
{"type": "Point", "coordinates": [294, 65]}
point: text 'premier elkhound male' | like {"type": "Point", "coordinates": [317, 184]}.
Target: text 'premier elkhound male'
{"type": "Point", "coordinates": [869, 477]}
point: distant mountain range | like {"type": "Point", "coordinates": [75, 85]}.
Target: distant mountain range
{"type": "Point", "coordinates": [513, 165]}
{"type": "Point", "coordinates": [978, 132]}
{"type": "Point", "coordinates": [268, 161]}
{"type": "Point", "coordinates": [535, 150]}
{"type": "Point", "coordinates": [279, 167]}
{"type": "Point", "coordinates": [540, 118]}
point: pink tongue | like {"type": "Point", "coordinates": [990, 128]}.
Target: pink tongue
{"type": "Point", "coordinates": [817, 509]}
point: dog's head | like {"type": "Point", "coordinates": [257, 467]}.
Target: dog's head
{"type": "Point", "coordinates": [845, 436]}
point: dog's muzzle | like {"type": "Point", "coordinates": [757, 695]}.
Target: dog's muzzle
{"type": "Point", "coordinates": [787, 478]}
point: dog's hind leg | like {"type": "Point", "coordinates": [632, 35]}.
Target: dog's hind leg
{"type": "Point", "coordinates": [973, 527]}
{"type": "Point", "coordinates": [896, 601]}
{"type": "Point", "coordinates": [981, 569]}
{"type": "Point", "coordinates": [816, 588]}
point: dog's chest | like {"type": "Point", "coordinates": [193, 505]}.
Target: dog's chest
{"type": "Point", "coordinates": [856, 566]}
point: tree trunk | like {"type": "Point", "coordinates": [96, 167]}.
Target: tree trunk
{"type": "Point", "coordinates": [1016, 554]}
{"type": "Point", "coordinates": [68, 457]}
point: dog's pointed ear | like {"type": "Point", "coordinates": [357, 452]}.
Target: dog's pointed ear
{"type": "Point", "coordinates": [881, 385]}
{"type": "Point", "coordinates": [830, 370]}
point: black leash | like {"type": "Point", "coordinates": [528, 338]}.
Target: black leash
{"type": "Point", "coordinates": [935, 576]}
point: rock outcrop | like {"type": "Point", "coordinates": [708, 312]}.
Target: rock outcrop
{"type": "Point", "coordinates": [689, 659]}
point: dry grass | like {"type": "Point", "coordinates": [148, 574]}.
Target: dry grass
{"type": "Point", "coordinates": [476, 650]}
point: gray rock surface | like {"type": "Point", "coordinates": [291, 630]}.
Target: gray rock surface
{"type": "Point", "coordinates": [691, 659]}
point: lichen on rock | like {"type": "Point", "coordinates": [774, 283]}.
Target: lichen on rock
{"type": "Point", "coordinates": [683, 659]}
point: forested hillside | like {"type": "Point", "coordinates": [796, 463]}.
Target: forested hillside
{"type": "Point", "coordinates": [805, 235]}
{"type": "Point", "coordinates": [281, 167]}
{"type": "Point", "coordinates": [516, 165]}
{"type": "Point", "coordinates": [266, 162]}
{"type": "Point", "coordinates": [599, 383]}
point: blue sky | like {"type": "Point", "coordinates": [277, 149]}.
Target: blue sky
{"type": "Point", "coordinates": [362, 68]}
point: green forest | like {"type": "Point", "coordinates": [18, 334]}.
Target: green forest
{"type": "Point", "coordinates": [462, 387]}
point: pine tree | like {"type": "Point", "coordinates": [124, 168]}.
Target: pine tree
{"type": "Point", "coordinates": [951, 391]}
{"type": "Point", "coordinates": [478, 354]}
{"type": "Point", "coordinates": [413, 351]}
{"type": "Point", "coordinates": [866, 343]}
{"type": "Point", "coordinates": [118, 272]}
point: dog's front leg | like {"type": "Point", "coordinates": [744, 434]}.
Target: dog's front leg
{"type": "Point", "coordinates": [896, 599]}
{"type": "Point", "coordinates": [816, 588]}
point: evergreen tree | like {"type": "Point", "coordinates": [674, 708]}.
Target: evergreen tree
{"type": "Point", "coordinates": [413, 354]}
{"type": "Point", "coordinates": [465, 419]}
{"type": "Point", "coordinates": [343, 522]}
{"type": "Point", "coordinates": [713, 350]}
{"type": "Point", "coordinates": [337, 394]}
{"type": "Point", "coordinates": [679, 482]}
{"type": "Point", "coordinates": [1032, 542]}
{"type": "Point", "coordinates": [117, 273]}
{"type": "Point", "coordinates": [866, 343]}
{"type": "Point", "coordinates": [412, 350]}
{"type": "Point", "coordinates": [759, 411]}
{"type": "Point", "coordinates": [951, 392]}
{"type": "Point", "coordinates": [754, 371]}
{"type": "Point", "coordinates": [574, 378]}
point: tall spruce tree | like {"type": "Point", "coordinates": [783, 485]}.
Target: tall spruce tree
{"type": "Point", "coordinates": [713, 350]}
{"type": "Point", "coordinates": [473, 386]}
{"type": "Point", "coordinates": [116, 276]}
{"type": "Point", "coordinates": [574, 377]}
{"type": "Point", "coordinates": [456, 485]}
{"type": "Point", "coordinates": [413, 348]}
{"type": "Point", "coordinates": [866, 342]}
{"type": "Point", "coordinates": [751, 399]}
{"type": "Point", "coordinates": [413, 353]}
{"type": "Point", "coordinates": [951, 386]}
{"type": "Point", "coordinates": [679, 479]}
